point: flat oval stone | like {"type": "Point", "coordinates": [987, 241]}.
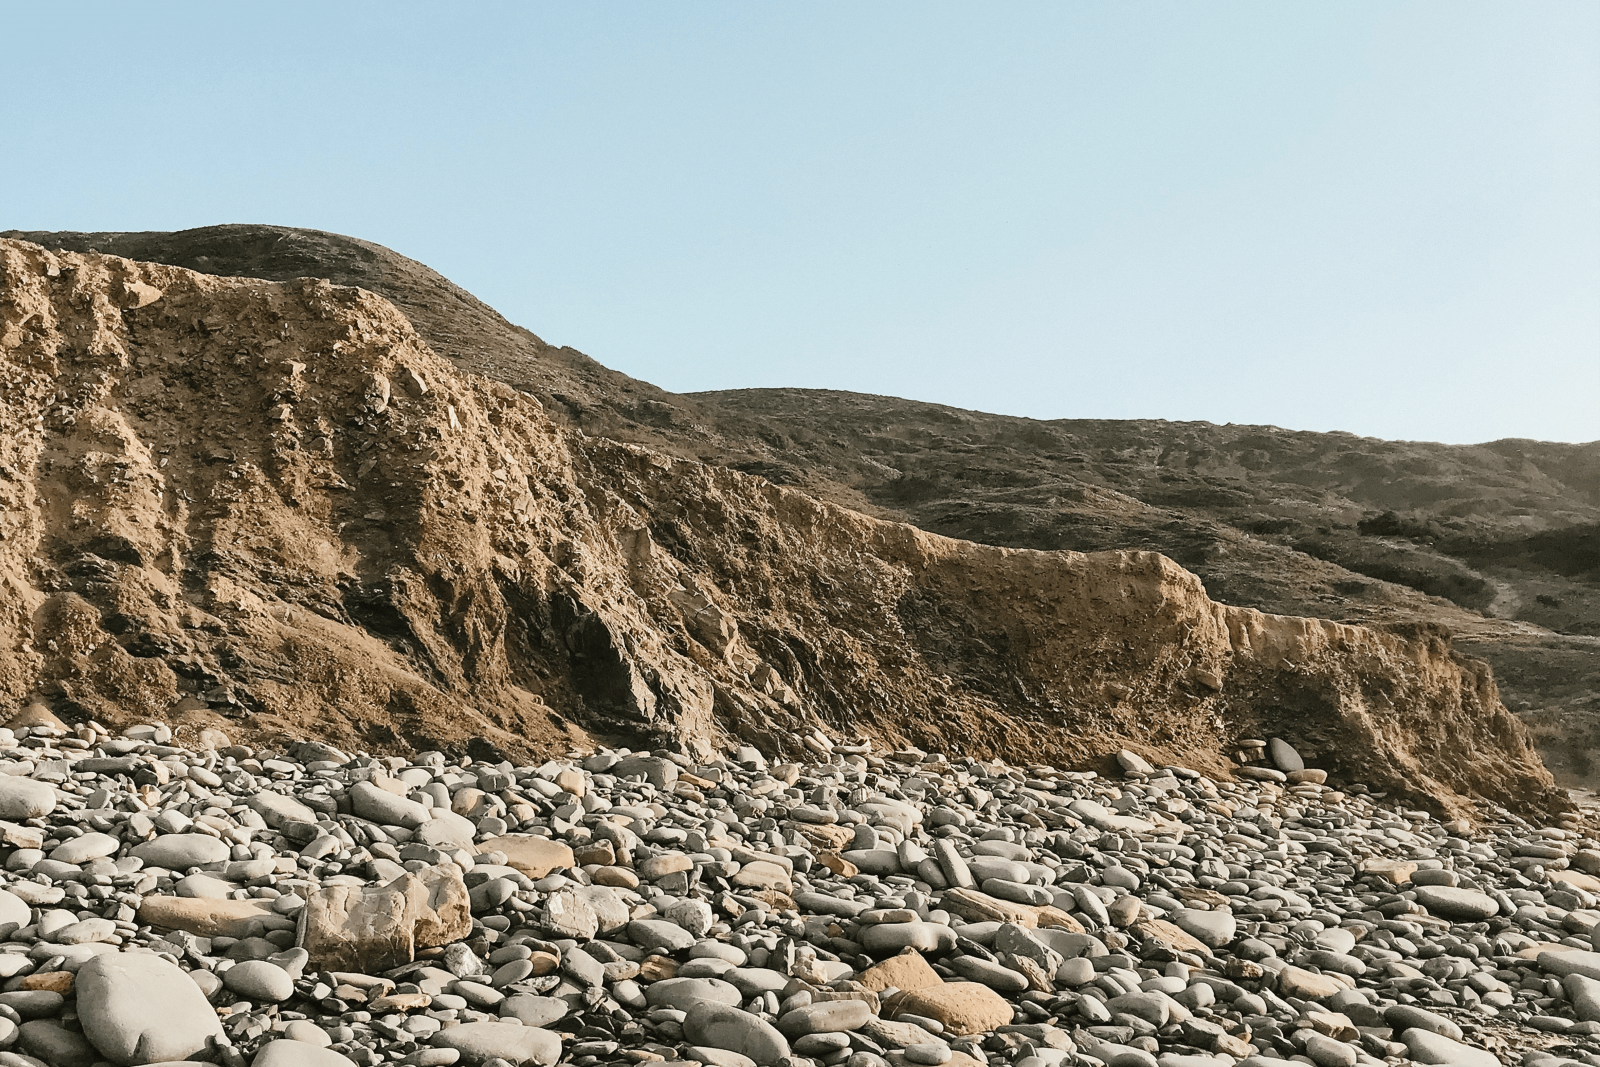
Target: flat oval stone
{"type": "Point", "coordinates": [276, 809]}
{"type": "Point", "coordinates": [446, 830]}
{"type": "Point", "coordinates": [993, 975]}
{"type": "Point", "coordinates": [1017, 892]}
{"type": "Point", "coordinates": [1283, 756]}
{"type": "Point", "coordinates": [14, 909]}
{"type": "Point", "coordinates": [832, 1016]}
{"type": "Point", "coordinates": [293, 1053]}
{"type": "Point", "coordinates": [962, 1008]}
{"type": "Point", "coordinates": [752, 981]}
{"type": "Point", "coordinates": [1426, 1046]}
{"type": "Point", "coordinates": [33, 1003]}
{"type": "Point", "coordinates": [1211, 928]}
{"type": "Point", "coordinates": [657, 935]}
{"type": "Point", "coordinates": [984, 868]}
{"type": "Point", "coordinates": [1076, 972]}
{"type": "Point", "coordinates": [205, 887]}
{"type": "Point", "coordinates": [1337, 962]}
{"type": "Point", "coordinates": [478, 1042]}
{"type": "Point", "coordinates": [179, 852]}
{"type": "Point", "coordinates": [685, 993]}
{"type": "Point", "coordinates": [704, 967]}
{"type": "Point", "coordinates": [205, 917]}
{"type": "Point", "coordinates": [1154, 1008]}
{"type": "Point", "coordinates": [1307, 985]}
{"type": "Point", "coordinates": [258, 980]}
{"type": "Point", "coordinates": [1326, 1052]}
{"type": "Point", "coordinates": [1461, 905]}
{"type": "Point", "coordinates": [879, 861]}
{"type": "Point", "coordinates": [385, 808]}
{"type": "Point", "coordinates": [1408, 1016]}
{"type": "Point", "coordinates": [533, 1010]}
{"type": "Point", "coordinates": [726, 1027]}
{"type": "Point", "coordinates": [85, 848]}
{"type": "Point", "coordinates": [823, 904]}
{"type": "Point", "coordinates": [54, 1044]}
{"type": "Point", "coordinates": [888, 939]}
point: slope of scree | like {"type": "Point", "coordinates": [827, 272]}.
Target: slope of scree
{"type": "Point", "coordinates": [1484, 540]}
{"type": "Point", "coordinates": [274, 502]}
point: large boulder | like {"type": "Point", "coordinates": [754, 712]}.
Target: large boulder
{"type": "Point", "coordinates": [478, 1042]}
{"type": "Point", "coordinates": [139, 1008]}
{"type": "Point", "coordinates": [371, 930]}
{"type": "Point", "coordinates": [23, 798]}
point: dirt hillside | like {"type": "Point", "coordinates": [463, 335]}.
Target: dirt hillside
{"type": "Point", "coordinates": [1494, 543]}
{"type": "Point", "coordinates": [275, 505]}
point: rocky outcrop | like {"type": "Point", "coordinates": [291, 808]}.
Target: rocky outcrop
{"type": "Point", "coordinates": [273, 503]}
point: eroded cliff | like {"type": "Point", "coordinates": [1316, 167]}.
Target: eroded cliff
{"type": "Point", "coordinates": [274, 503]}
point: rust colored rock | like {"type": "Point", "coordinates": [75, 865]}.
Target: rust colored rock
{"type": "Point", "coordinates": [907, 971]}
{"type": "Point", "coordinates": [962, 1007]}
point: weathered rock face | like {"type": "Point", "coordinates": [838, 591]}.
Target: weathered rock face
{"type": "Point", "coordinates": [375, 929]}
{"type": "Point", "coordinates": [272, 502]}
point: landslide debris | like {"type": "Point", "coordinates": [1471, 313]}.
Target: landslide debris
{"type": "Point", "coordinates": [274, 503]}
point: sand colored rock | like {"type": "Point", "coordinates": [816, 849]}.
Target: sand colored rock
{"type": "Point", "coordinates": [963, 1007]}
{"type": "Point", "coordinates": [532, 855]}
{"type": "Point", "coordinates": [909, 970]}
{"type": "Point", "coordinates": [209, 918]}
{"type": "Point", "coordinates": [374, 930]}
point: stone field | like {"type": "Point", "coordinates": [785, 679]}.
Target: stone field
{"type": "Point", "coordinates": [167, 903]}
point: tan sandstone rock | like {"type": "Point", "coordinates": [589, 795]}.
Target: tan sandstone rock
{"type": "Point", "coordinates": [962, 1007]}
{"type": "Point", "coordinates": [374, 930]}
{"type": "Point", "coordinates": [533, 856]}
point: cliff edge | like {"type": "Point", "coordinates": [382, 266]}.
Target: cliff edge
{"type": "Point", "coordinates": [273, 503]}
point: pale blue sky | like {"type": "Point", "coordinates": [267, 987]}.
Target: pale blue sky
{"type": "Point", "coordinates": [1376, 217]}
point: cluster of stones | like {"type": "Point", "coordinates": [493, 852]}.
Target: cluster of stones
{"type": "Point", "coordinates": [214, 903]}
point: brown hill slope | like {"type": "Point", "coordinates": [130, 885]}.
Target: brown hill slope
{"type": "Point", "coordinates": [1495, 542]}
{"type": "Point", "coordinates": [1328, 525]}
{"type": "Point", "coordinates": [574, 389]}
{"type": "Point", "coordinates": [276, 503]}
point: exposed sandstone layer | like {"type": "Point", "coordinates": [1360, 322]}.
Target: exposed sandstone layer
{"type": "Point", "coordinates": [275, 502]}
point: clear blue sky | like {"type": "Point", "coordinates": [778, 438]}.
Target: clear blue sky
{"type": "Point", "coordinates": [1376, 217]}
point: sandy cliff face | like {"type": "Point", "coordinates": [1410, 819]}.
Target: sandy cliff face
{"type": "Point", "coordinates": [272, 502]}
